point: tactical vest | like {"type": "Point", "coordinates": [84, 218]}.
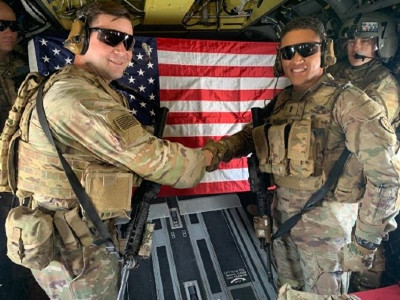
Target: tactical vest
{"type": "Point", "coordinates": [26, 91]}
{"type": "Point", "coordinates": [15, 138]}
{"type": "Point", "coordinates": [293, 144]}
{"type": "Point", "coordinates": [27, 171]}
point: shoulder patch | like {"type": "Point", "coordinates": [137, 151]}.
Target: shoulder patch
{"type": "Point", "coordinates": [124, 125]}
{"type": "Point", "coordinates": [123, 120]}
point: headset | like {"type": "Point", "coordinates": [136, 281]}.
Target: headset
{"type": "Point", "coordinates": [78, 38]}
{"type": "Point", "coordinates": [328, 57]}
{"type": "Point", "coordinates": [373, 25]}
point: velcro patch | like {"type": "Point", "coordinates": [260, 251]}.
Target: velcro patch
{"type": "Point", "coordinates": [124, 122]}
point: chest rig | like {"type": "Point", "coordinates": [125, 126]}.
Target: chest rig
{"type": "Point", "coordinates": [292, 143]}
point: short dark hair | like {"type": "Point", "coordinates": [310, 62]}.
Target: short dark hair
{"type": "Point", "coordinates": [305, 23]}
{"type": "Point", "coordinates": [93, 9]}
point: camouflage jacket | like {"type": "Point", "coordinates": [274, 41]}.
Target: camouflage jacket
{"type": "Point", "coordinates": [374, 79]}
{"type": "Point", "coordinates": [338, 119]}
{"type": "Point", "coordinates": [371, 175]}
{"type": "Point", "coordinates": [12, 72]}
{"type": "Point", "coordinates": [91, 123]}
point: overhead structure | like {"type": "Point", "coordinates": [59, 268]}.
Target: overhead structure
{"type": "Point", "coordinates": [242, 19]}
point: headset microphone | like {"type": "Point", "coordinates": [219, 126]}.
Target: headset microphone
{"type": "Point", "coordinates": [359, 56]}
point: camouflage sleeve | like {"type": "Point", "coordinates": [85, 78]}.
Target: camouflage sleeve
{"type": "Point", "coordinates": [241, 143]}
{"type": "Point", "coordinates": [90, 121]}
{"type": "Point", "coordinates": [372, 140]}
{"type": "Point", "coordinates": [386, 92]}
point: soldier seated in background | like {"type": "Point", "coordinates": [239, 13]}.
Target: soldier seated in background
{"type": "Point", "coordinates": [365, 55]}
{"type": "Point", "coordinates": [366, 49]}
{"type": "Point", "coordinates": [311, 124]}
{"type": "Point", "coordinates": [16, 282]}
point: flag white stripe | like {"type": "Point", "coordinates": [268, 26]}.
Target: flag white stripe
{"type": "Point", "coordinates": [215, 59]}
{"type": "Point", "coordinates": [220, 83]}
{"type": "Point", "coordinates": [212, 106]}
{"type": "Point", "coordinates": [33, 65]}
{"type": "Point", "coordinates": [207, 129]}
{"type": "Point", "coordinates": [226, 175]}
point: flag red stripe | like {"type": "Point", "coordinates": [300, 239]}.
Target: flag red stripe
{"type": "Point", "coordinates": [211, 46]}
{"type": "Point", "coordinates": [212, 71]}
{"type": "Point", "coordinates": [208, 188]}
{"type": "Point", "coordinates": [235, 163]}
{"type": "Point", "coordinates": [220, 95]}
{"type": "Point", "coordinates": [175, 118]}
{"type": "Point", "coordinates": [192, 141]}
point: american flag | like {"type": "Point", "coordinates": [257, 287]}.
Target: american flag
{"type": "Point", "coordinates": [209, 87]}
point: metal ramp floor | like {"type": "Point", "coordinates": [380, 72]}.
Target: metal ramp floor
{"type": "Point", "coordinates": [203, 248]}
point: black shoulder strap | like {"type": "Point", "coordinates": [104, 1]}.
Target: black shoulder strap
{"type": "Point", "coordinates": [317, 197]}
{"type": "Point", "coordinates": [332, 177]}
{"type": "Point", "coordinates": [77, 187]}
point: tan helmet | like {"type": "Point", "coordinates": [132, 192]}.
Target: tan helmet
{"type": "Point", "coordinates": [373, 25]}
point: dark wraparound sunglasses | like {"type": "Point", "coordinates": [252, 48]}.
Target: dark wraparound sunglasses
{"type": "Point", "coordinates": [114, 37]}
{"type": "Point", "coordinates": [13, 25]}
{"type": "Point", "coordinates": [304, 49]}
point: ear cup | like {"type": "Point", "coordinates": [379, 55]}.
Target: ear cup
{"type": "Point", "coordinates": [328, 54]}
{"type": "Point", "coordinates": [278, 70]}
{"type": "Point", "coordinates": [78, 38]}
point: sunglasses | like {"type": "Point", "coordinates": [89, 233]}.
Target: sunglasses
{"type": "Point", "coordinates": [114, 37]}
{"type": "Point", "coordinates": [304, 49]}
{"type": "Point", "coordinates": [13, 25]}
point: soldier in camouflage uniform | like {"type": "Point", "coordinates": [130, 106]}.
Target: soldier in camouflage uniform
{"type": "Point", "coordinates": [15, 281]}
{"type": "Point", "coordinates": [95, 130]}
{"type": "Point", "coordinates": [312, 121]}
{"type": "Point", "coordinates": [13, 67]}
{"type": "Point", "coordinates": [363, 66]}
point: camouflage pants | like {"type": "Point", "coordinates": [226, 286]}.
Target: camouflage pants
{"type": "Point", "coordinates": [83, 273]}
{"type": "Point", "coordinates": [307, 258]}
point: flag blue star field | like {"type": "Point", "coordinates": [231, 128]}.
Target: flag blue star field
{"type": "Point", "coordinates": [208, 86]}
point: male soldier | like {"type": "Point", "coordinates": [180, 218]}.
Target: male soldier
{"type": "Point", "coordinates": [366, 51]}
{"type": "Point", "coordinates": [12, 66]}
{"type": "Point", "coordinates": [15, 281]}
{"type": "Point", "coordinates": [311, 124]}
{"type": "Point", "coordinates": [96, 132]}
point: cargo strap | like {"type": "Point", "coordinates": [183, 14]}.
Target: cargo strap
{"type": "Point", "coordinates": [77, 187]}
{"type": "Point", "coordinates": [317, 197]}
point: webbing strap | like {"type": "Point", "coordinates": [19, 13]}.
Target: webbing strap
{"type": "Point", "coordinates": [77, 187]}
{"type": "Point", "coordinates": [316, 197]}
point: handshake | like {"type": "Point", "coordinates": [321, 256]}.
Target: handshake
{"type": "Point", "coordinates": [220, 152]}
{"type": "Point", "coordinates": [356, 258]}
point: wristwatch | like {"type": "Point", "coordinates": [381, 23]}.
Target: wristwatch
{"type": "Point", "coordinates": [366, 244]}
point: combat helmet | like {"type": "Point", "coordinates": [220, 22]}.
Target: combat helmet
{"type": "Point", "coordinates": [372, 25]}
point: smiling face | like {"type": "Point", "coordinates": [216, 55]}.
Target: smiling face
{"type": "Point", "coordinates": [303, 72]}
{"type": "Point", "coordinates": [107, 61]}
